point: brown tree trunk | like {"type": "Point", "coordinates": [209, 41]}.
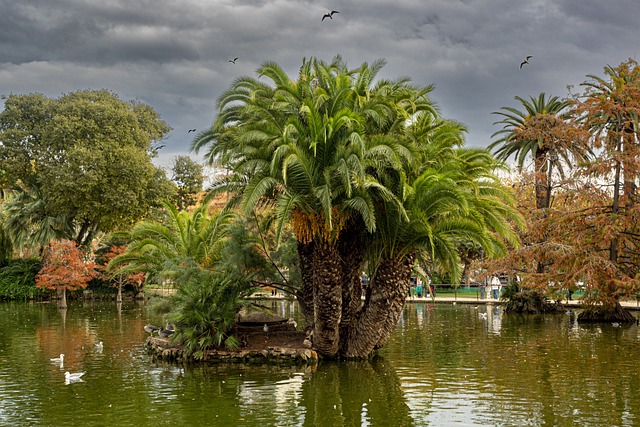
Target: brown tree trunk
{"type": "Point", "coordinates": [62, 304]}
{"type": "Point", "coordinates": [541, 180]}
{"type": "Point", "coordinates": [327, 301]}
{"type": "Point", "coordinates": [305, 294]}
{"type": "Point", "coordinates": [351, 246]}
{"type": "Point", "coordinates": [383, 305]}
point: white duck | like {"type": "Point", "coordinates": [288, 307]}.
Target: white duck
{"type": "Point", "coordinates": [59, 360]}
{"type": "Point", "coordinates": [71, 377]}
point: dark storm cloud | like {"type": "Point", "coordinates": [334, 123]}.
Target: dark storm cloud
{"type": "Point", "coordinates": [173, 54]}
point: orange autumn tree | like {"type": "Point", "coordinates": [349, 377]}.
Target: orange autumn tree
{"type": "Point", "coordinates": [589, 233]}
{"type": "Point", "coordinates": [610, 109]}
{"type": "Point", "coordinates": [119, 280]}
{"type": "Point", "coordinates": [64, 268]}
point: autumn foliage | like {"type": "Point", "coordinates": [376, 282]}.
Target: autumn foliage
{"type": "Point", "coordinates": [119, 280]}
{"type": "Point", "coordinates": [64, 268]}
{"type": "Point", "coordinates": [587, 234]}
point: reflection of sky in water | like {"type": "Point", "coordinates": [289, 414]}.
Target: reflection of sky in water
{"type": "Point", "coordinates": [445, 365]}
{"type": "Point", "coordinates": [474, 365]}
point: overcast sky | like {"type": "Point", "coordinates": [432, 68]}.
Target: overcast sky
{"type": "Point", "coordinates": [174, 54]}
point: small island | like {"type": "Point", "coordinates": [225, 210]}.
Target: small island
{"type": "Point", "coordinates": [281, 343]}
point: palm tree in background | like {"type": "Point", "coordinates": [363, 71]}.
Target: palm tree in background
{"type": "Point", "coordinates": [166, 250]}
{"type": "Point", "coordinates": [542, 132]}
{"type": "Point", "coordinates": [30, 224]}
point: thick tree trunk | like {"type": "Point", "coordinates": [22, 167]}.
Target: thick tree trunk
{"type": "Point", "coordinates": [305, 294]}
{"type": "Point", "coordinates": [327, 284]}
{"type": "Point", "coordinates": [383, 305]}
{"type": "Point", "coordinates": [351, 246]}
{"type": "Point", "coordinates": [604, 314]}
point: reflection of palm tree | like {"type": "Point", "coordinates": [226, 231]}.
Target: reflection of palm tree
{"type": "Point", "coordinates": [343, 393]}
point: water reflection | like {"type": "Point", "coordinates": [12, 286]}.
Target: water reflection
{"type": "Point", "coordinates": [515, 370]}
{"type": "Point", "coordinates": [366, 393]}
{"type": "Point", "coordinates": [445, 365]}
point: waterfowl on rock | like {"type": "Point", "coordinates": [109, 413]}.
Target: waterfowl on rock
{"type": "Point", "coordinates": [165, 333]}
{"type": "Point", "coordinates": [151, 328]}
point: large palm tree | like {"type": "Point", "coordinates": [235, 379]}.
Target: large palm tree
{"type": "Point", "coordinates": [541, 132]}
{"type": "Point", "coordinates": [329, 154]}
{"type": "Point", "coordinates": [454, 197]}
{"type": "Point", "coordinates": [301, 148]}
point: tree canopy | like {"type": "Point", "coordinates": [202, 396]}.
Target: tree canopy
{"type": "Point", "coordinates": [368, 176]}
{"type": "Point", "coordinates": [85, 156]}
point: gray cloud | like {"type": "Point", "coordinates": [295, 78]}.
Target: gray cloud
{"type": "Point", "coordinates": [174, 54]}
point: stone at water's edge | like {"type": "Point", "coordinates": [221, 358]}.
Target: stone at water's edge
{"type": "Point", "coordinates": [162, 349]}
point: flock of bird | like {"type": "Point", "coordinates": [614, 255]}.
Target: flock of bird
{"type": "Point", "coordinates": [162, 332]}
{"type": "Point", "coordinates": [326, 15]}
{"type": "Point", "coordinates": [330, 16]}
{"type": "Point", "coordinates": [72, 377]}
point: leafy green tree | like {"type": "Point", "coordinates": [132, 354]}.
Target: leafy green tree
{"type": "Point", "coordinates": [87, 157]}
{"type": "Point", "coordinates": [189, 177]}
{"type": "Point", "coordinates": [331, 156]}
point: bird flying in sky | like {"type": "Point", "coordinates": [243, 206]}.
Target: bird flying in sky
{"type": "Point", "coordinates": [233, 61]}
{"type": "Point", "coordinates": [191, 130]}
{"type": "Point", "coordinates": [330, 14]}
{"type": "Point", "coordinates": [526, 61]}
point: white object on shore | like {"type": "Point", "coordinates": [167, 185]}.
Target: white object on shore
{"type": "Point", "coordinates": [99, 347]}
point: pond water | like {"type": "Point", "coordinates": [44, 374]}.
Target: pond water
{"type": "Point", "coordinates": [446, 365]}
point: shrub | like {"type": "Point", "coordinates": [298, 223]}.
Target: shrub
{"type": "Point", "coordinates": [205, 309]}
{"type": "Point", "coordinates": [17, 280]}
{"type": "Point", "coordinates": [526, 300]}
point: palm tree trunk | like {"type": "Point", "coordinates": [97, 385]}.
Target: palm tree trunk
{"type": "Point", "coordinates": [305, 295]}
{"type": "Point", "coordinates": [351, 246]}
{"type": "Point", "coordinates": [327, 301]}
{"type": "Point", "coordinates": [615, 206]}
{"type": "Point", "coordinates": [383, 305]}
{"type": "Point", "coordinates": [543, 196]}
